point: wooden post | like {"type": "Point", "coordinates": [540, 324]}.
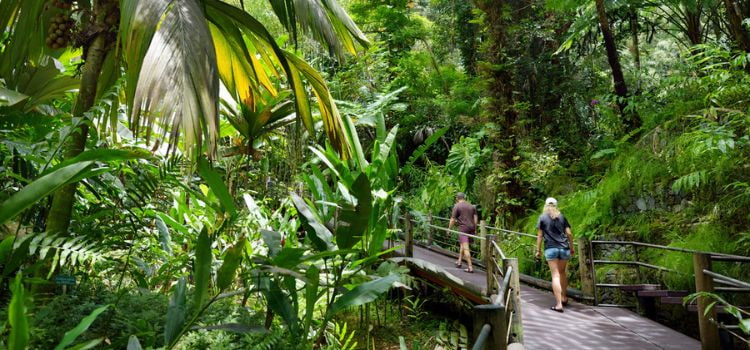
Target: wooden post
{"type": "Point", "coordinates": [489, 264]}
{"type": "Point", "coordinates": [495, 316]}
{"type": "Point", "coordinates": [709, 331]}
{"type": "Point", "coordinates": [409, 237]}
{"type": "Point", "coordinates": [429, 230]}
{"type": "Point", "coordinates": [516, 326]}
{"type": "Point", "coordinates": [483, 233]}
{"type": "Point", "coordinates": [585, 267]}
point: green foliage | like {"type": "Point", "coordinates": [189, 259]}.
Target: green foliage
{"type": "Point", "coordinates": [17, 317]}
{"type": "Point", "coordinates": [463, 159]}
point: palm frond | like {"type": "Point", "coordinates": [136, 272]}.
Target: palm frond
{"type": "Point", "coordinates": [325, 20]}
{"type": "Point", "coordinates": [64, 250]}
{"type": "Point", "coordinates": [169, 46]}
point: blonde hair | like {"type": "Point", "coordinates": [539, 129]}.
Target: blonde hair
{"type": "Point", "coordinates": [552, 211]}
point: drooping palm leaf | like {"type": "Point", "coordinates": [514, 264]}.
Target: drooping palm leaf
{"type": "Point", "coordinates": [169, 47]}
{"type": "Point", "coordinates": [227, 18]}
{"type": "Point", "coordinates": [325, 20]}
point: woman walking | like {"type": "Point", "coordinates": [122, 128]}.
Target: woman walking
{"type": "Point", "coordinates": [558, 249]}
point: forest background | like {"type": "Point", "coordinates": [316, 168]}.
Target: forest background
{"type": "Point", "coordinates": [313, 127]}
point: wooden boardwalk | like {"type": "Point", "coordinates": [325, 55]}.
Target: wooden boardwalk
{"type": "Point", "coordinates": [581, 327]}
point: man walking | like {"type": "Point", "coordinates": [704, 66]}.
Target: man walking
{"type": "Point", "coordinates": [465, 215]}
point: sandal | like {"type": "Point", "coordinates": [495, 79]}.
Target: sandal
{"type": "Point", "coordinates": [565, 303]}
{"type": "Point", "coordinates": [469, 271]}
{"type": "Point", "coordinates": [457, 265]}
{"type": "Point", "coordinates": [556, 309]}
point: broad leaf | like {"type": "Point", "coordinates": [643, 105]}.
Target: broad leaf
{"type": "Point", "coordinates": [203, 260]}
{"type": "Point", "coordinates": [71, 335]}
{"type": "Point", "coordinates": [273, 241]}
{"type": "Point", "coordinates": [281, 305]}
{"type": "Point", "coordinates": [319, 235]}
{"type": "Point", "coordinates": [39, 189]}
{"type": "Point", "coordinates": [353, 220]}
{"type": "Point", "coordinates": [17, 318]}
{"type": "Point", "coordinates": [363, 293]}
{"type": "Point", "coordinates": [175, 313]}
{"type": "Point", "coordinates": [228, 269]}
{"type": "Point", "coordinates": [216, 183]}
{"type": "Point", "coordinates": [311, 293]}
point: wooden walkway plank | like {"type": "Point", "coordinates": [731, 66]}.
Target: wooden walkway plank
{"type": "Point", "coordinates": [580, 327]}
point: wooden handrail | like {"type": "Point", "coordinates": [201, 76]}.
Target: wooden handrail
{"type": "Point", "coordinates": [498, 250]}
{"type": "Point", "coordinates": [731, 281]}
{"type": "Point", "coordinates": [714, 255]}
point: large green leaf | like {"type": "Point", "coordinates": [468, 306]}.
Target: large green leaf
{"type": "Point", "coordinates": [319, 235]}
{"type": "Point", "coordinates": [175, 313]}
{"type": "Point", "coordinates": [281, 305]}
{"type": "Point", "coordinates": [363, 293]}
{"type": "Point", "coordinates": [17, 318]}
{"type": "Point", "coordinates": [216, 183]}
{"type": "Point", "coordinates": [203, 259]}
{"type": "Point", "coordinates": [103, 155]}
{"type": "Point", "coordinates": [71, 335]}
{"type": "Point", "coordinates": [311, 293]}
{"type": "Point", "coordinates": [228, 269]}
{"type": "Point", "coordinates": [353, 218]}
{"type": "Point", "coordinates": [39, 189]}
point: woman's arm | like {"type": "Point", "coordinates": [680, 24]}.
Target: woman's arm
{"type": "Point", "coordinates": [538, 253]}
{"type": "Point", "coordinates": [570, 241]}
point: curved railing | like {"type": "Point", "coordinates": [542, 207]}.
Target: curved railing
{"type": "Point", "coordinates": [503, 271]}
{"type": "Point", "coordinates": [497, 323]}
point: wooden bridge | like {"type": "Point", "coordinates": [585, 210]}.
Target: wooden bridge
{"type": "Point", "coordinates": [511, 315]}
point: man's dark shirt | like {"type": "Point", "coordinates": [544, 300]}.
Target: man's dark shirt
{"type": "Point", "coordinates": [464, 213]}
{"type": "Point", "coordinates": [554, 231]}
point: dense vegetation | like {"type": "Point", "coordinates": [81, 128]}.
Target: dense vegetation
{"type": "Point", "coordinates": [224, 174]}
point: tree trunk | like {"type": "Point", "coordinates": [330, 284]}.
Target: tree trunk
{"type": "Point", "coordinates": [631, 119]}
{"type": "Point", "coordinates": [735, 17]}
{"type": "Point", "coordinates": [499, 88]}
{"type": "Point", "coordinates": [59, 216]}
{"type": "Point", "coordinates": [634, 37]}
{"type": "Point", "coordinates": [693, 25]}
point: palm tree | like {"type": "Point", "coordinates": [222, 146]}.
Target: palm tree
{"type": "Point", "coordinates": [172, 56]}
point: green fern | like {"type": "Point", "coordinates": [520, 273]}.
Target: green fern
{"type": "Point", "coordinates": [66, 251]}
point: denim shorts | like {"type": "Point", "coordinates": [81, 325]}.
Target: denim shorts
{"type": "Point", "coordinates": [557, 253]}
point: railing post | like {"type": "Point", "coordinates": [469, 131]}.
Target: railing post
{"type": "Point", "coordinates": [409, 237]}
{"type": "Point", "coordinates": [429, 230]}
{"type": "Point", "coordinates": [516, 325]}
{"type": "Point", "coordinates": [489, 264]}
{"type": "Point", "coordinates": [585, 267]}
{"type": "Point", "coordinates": [494, 315]}
{"type": "Point", "coordinates": [483, 233]}
{"type": "Point", "coordinates": [709, 331]}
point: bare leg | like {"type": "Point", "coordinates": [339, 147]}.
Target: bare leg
{"type": "Point", "coordinates": [562, 267]}
{"type": "Point", "coordinates": [465, 250]}
{"type": "Point", "coordinates": [556, 288]}
{"type": "Point", "coordinates": [460, 253]}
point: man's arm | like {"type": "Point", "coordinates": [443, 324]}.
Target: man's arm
{"type": "Point", "coordinates": [570, 241]}
{"type": "Point", "coordinates": [450, 223]}
{"type": "Point", "coordinates": [538, 243]}
{"type": "Point", "coordinates": [476, 220]}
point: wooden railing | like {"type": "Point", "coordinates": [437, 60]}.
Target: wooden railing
{"type": "Point", "coordinates": [702, 273]}
{"type": "Point", "coordinates": [497, 324]}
